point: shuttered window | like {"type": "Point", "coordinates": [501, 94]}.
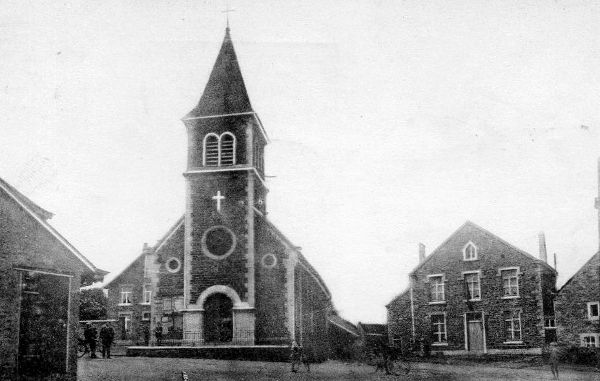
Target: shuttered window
{"type": "Point", "coordinates": [227, 149]}
{"type": "Point", "coordinates": [211, 150]}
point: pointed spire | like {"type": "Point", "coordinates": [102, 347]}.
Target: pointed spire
{"type": "Point", "coordinates": [225, 93]}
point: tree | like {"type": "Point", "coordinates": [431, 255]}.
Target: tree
{"type": "Point", "coordinates": [92, 304]}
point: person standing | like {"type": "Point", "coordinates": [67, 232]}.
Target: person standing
{"type": "Point", "coordinates": [107, 335]}
{"type": "Point", "coordinates": [158, 333]}
{"type": "Point", "coordinates": [554, 358]}
{"type": "Point", "coordinates": [295, 356]}
{"type": "Point", "coordinates": [89, 334]}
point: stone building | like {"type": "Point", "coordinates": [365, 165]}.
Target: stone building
{"type": "Point", "coordinates": [475, 293]}
{"type": "Point", "coordinates": [577, 306]}
{"type": "Point", "coordinates": [224, 274]}
{"type": "Point", "coordinates": [40, 276]}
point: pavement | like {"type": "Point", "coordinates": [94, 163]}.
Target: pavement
{"type": "Point", "coordinates": [149, 369]}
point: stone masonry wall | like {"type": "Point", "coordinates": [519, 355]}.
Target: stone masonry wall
{"type": "Point", "coordinates": [571, 303]}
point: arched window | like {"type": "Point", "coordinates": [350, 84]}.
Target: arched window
{"type": "Point", "coordinates": [219, 150]}
{"type": "Point", "coordinates": [227, 149]}
{"type": "Point", "coordinates": [211, 150]}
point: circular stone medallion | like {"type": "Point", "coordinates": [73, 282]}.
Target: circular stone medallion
{"type": "Point", "coordinates": [218, 242]}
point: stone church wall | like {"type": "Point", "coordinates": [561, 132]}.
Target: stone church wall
{"type": "Point", "coordinates": [228, 271]}
{"type": "Point", "coordinates": [270, 289]}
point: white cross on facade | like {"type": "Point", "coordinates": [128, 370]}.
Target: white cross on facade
{"type": "Point", "coordinates": [218, 197]}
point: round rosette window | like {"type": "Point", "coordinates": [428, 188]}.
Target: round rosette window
{"type": "Point", "coordinates": [173, 265]}
{"type": "Point", "coordinates": [268, 261]}
{"type": "Point", "coordinates": [218, 242]}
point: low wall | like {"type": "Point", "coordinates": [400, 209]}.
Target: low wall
{"type": "Point", "coordinates": [276, 353]}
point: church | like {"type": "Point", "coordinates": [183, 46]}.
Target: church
{"type": "Point", "coordinates": [223, 274]}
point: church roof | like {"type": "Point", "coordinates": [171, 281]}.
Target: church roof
{"type": "Point", "coordinates": [225, 92]}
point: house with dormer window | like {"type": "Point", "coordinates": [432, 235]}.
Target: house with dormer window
{"type": "Point", "coordinates": [475, 293]}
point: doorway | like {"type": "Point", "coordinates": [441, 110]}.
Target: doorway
{"type": "Point", "coordinates": [44, 318]}
{"type": "Point", "coordinates": [475, 332]}
{"type": "Point", "coordinates": [218, 319]}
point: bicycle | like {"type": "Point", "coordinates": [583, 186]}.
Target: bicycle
{"type": "Point", "coordinates": [82, 347]}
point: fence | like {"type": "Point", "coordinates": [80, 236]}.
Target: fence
{"type": "Point", "coordinates": [195, 338]}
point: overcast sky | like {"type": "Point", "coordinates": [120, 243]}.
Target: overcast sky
{"type": "Point", "coordinates": [391, 123]}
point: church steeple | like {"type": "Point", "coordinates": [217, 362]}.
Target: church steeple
{"type": "Point", "coordinates": [225, 93]}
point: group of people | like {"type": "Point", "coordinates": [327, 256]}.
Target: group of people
{"type": "Point", "coordinates": [107, 336]}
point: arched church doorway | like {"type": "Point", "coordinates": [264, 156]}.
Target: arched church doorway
{"type": "Point", "coordinates": [218, 319]}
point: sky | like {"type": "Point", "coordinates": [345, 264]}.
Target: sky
{"type": "Point", "coordinates": [391, 123]}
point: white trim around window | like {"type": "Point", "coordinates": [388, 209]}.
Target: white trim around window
{"type": "Point", "coordinates": [147, 294]}
{"type": "Point", "coordinates": [439, 330]}
{"type": "Point", "coordinates": [126, 296]}
{"type": "Point", "coordinates": [471, 290]}
{"type": "Point", "coordinates": [437, 289]}
{"type": "Point", "coordinates": [593, 310]}
{"type": "Point", "coordinates": [470, 252]}
{"type": "Point", "coordinates": [510, 282]}
{"type": "Point", "coordinates": [590, 340]}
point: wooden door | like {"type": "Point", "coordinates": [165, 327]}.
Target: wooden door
{"type": "Point", "coordinates": [218, 319]}
{"type": "Point", "coordinates": [475, 330]}
{"type": "Point", "coordinates": [44, 318]}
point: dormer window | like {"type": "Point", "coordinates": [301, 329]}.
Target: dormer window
{"type": "Point", "coordinates": [219, 150]}
{"type": "Point", "coordinates": [470, 252]}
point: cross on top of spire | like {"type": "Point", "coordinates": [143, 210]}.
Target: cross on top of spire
{"type": "Point", "coordinates": [227, 11]}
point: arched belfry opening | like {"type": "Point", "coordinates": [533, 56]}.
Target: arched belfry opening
{"type": "Point", "coordinates": [218, 319]}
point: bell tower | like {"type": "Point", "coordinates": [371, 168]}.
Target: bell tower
{"type": "Point", "coordinates": [225, 187]}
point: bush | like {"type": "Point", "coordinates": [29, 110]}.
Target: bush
{"type": "Point", "coordinates": [582, 356]}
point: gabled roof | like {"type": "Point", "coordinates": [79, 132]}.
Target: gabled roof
{"type": "Point", "coordinates": [303, 261]}
{"type": "Point", "coordinates": [595, 257]}
{"type": "Point", "coordinates": [399, 296]}
{"type": "Point", "coordinates": [154, 249]}
{"type": "Point", "coordinates": [41, 216]}
{"type": "Point", "coordinates": [343, 324]}
{"type": "Point", "coordinates": [477, 227]}
{"type": "Point", "coordinates": [373, 329]}
{"type": "Point", "coordinates": [225, 93]}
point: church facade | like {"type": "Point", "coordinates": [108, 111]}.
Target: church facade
{"type": "Point", "coordinates": [224, 274]}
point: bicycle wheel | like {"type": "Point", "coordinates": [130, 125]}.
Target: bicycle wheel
{"type": "Point", "coordinates": [81, 350]}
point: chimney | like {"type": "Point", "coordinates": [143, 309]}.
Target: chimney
{"type": "Point", "coordinates": [146, 248]}
{"type": "Point", "coordinates": [421, 253]}
{"type": "Point", "coordinates": [542, 240]}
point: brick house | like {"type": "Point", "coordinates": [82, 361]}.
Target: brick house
{"type": "Point", "coordinates": [224, 274]}
{"type": "Point", "coordinates": [40, 276]}
{"type": "Point", "coordinates": [475, 293]}
{"type": "Point", "coordinates": [577, 306]}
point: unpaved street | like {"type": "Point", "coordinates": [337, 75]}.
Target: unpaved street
{"type": "Point", "coordinates": [148, 369]}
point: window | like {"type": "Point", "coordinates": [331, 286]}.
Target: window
{"type": "Point", "coordinates": [510, 282]}
{"type": "Point", "coordinates": [146, 315]}
{"type": "Point", "coordinates": [470, 252]}
{"type": "Point", "coordinates": [227, 149]}
{"type": "Point", "coordinates": [473, 286]}
{"type": "Point", "coordinates": [219, 150]}
{"type": "Point", "coordinates": [590, 340]}
{"type": "Point", "coordinates": [593, 309]}
{"type": "Point", "coordinates": [512, 325]}
{"type": "Point", "coordinates": [173, 265]}
{"type": "Point", "coordinates": [126, 292]}
{"type": "Point", "coordinates": [147, 294]}
{"type": "Point", "coordinates": [211, 150]}
{"type": "Point", "coordinates": [436, 286]}
{"type": "Point", "coordinates": [438, 329]}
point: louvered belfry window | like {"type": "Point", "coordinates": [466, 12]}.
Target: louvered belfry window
{"type": "Point", "coordinates": [219, 150]}
{"type": "Point", "coordinates": [227, 149]}
{"type": "Point", "coordinates": [211, 150]}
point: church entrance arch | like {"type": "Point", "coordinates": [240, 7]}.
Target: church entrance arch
{"type": "Point", "coordinates": [218, 319]}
